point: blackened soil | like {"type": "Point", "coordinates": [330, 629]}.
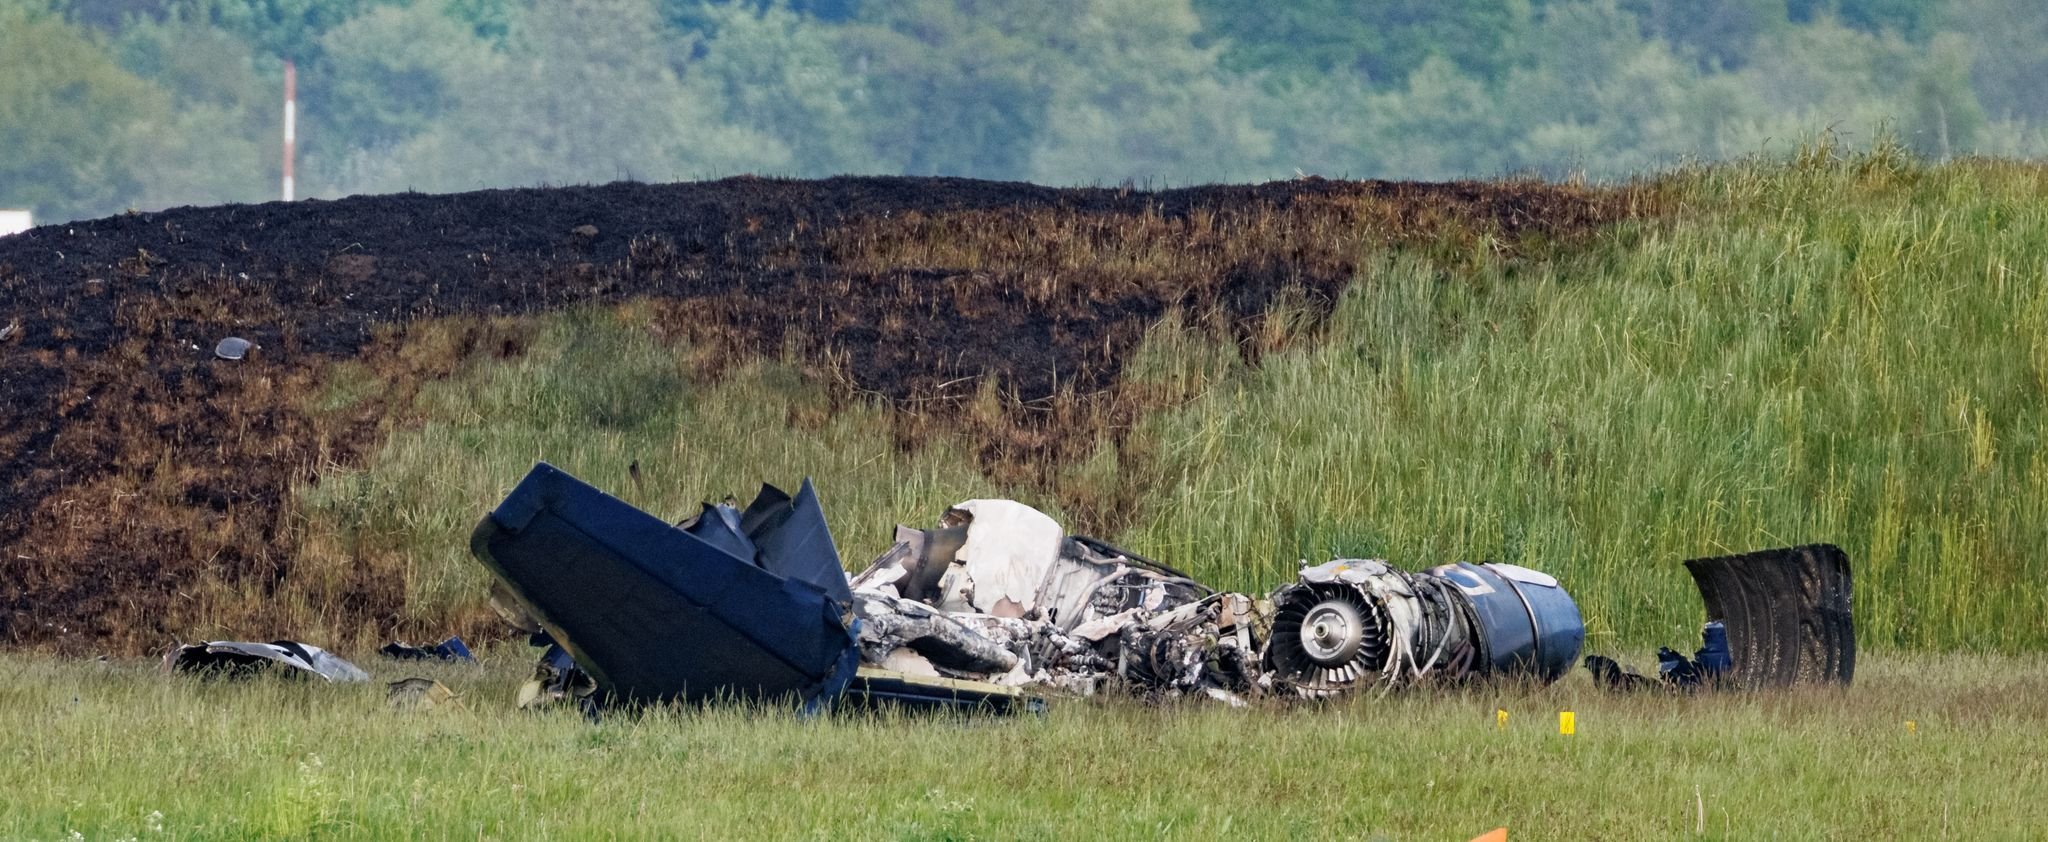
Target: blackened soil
{"type": "Point", "coordinates": [139, 473]}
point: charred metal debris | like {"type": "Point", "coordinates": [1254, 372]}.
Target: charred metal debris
{"type": "Point", "coordinates": [997, 606]}
{"type": "Point", "coordinates": [993, 608]}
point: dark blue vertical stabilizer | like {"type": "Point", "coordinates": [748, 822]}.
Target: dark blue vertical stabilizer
{"type": "Point", "coordinates": [654, 613]}
{"type": "Point", "coordinates": [719, 526]}
{"type": "Point", "coordinates": [795, 543]}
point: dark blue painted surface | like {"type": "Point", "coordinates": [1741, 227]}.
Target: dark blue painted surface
{"type": "Point", "coordinates": [794, 542]}
{"type": "Point", "coordinates": [655, 613]}
{"type": "Point", "coordinates": [1525, 626]}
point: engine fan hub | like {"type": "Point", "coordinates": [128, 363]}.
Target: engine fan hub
{"type": "Point", "coordinates": [1332, 632]}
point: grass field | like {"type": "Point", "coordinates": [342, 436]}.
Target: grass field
{"type": "Point", "coordinates": [119, 751]}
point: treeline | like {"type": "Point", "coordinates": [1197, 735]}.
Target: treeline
{"type": "Point", "coordinates": [113, 104]}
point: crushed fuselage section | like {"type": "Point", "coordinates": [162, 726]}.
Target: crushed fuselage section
{"type": "Point", "coordinates": [1078, 614]}
{"type": "Point", "coordinates": [993, 601]}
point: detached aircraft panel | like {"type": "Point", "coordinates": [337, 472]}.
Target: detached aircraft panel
{"type": "Point", "coordinates": [795, 542]}
{"type": "Point", "coordinates": [1788, 613]}
{"type": "Point", "coordinates": [656, 613]}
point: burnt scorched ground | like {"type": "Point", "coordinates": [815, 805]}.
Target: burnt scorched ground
{"type": "Point", "coordinates": [145, 485]}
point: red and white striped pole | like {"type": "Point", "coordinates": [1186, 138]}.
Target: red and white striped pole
{"type": "Point", "coordinates": [291, 113]}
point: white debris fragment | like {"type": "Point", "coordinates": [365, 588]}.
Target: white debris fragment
{"type": "Point", "coordinates": [233, 348]}
{"type": "Point", "coordinates": [1009, 549]}
{"type": "Point", "coordinates": [236, 656]}
{"type": "Point", "coordinates": [904, 660]}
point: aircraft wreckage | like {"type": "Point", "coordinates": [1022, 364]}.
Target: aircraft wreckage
{"type": "Point", "coordinates": [997, 605]}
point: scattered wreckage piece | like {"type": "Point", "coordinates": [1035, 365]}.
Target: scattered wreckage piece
{"type": "Point", "coordinates": [922, 639]}
{"type": "Point", "coordinates": [1350, 623]}
{"type": "Point", "coordinates": [452, 649]}
{"type": "Point", "coordinates": [998, 574]}
{"type": "Point", "coordinates": [1211, 647]}
{"type": "Point", "coordinates": [233, 348]}
{"type": "Point", "coordinates": [557, 680]}
{"type": "Point", "coordinates": [1001, 558]}
{"type": "Point", "coordinates": [874, 687]}
{"type": "Point", "coordinates": [1788, 613]}
{"type": "Point", "coordinates": [1611, 675]}
{"type": "Point", "coordinates": [1775, 618]}
{"type": "Point", "coordinates": [420, 694]}
{"type": "Point", "coordinates": [731, 605]}
{"type": "Point", "coordinates": [655, 612]}
{"type": "Point", "coordinates": [241, 659]}
{"type": "Point", "coordinates": [1707, 667]}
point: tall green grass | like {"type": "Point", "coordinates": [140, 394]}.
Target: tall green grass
{"type": "Point", "coordinates": [1845, 349]}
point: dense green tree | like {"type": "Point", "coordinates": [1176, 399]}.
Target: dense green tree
{"type": "Point", "coordinates": [386, 77]}
{"type": "Point", "coordinates": [113, 15]}
{"type": "Point", "coordinates": [387, 73]}
{"type": "Point", "coordinates": [705, 16]}
{"type": "Point", "coordinates": [958, 87]}
{"type": "Point", "coordinates": [1442, 124]}
{"type": "Point", "coordinates": [73, 123]}
{"type": "Point", "coordinates": [786, 76]}
{"type": "Point", "coordinates": [1830, 75]}
{"type": "Point", "coordinates": [2008, 64]}
{"type": "Point", "coordinates": [1134, 98]}
{"type": "Point", "coordinates": [219, 140]}
{"type": "Point", "coordinates": [1596, 96]}
{"type": "Point", "coordinates": [583, 93]}
{"type": "Point", "coordinates": [1649, 109]}
{"type": "Point", "coordinates": [490, 19]}
{"type": "Point", "coordinates": [1319, 126]}
{"type": "Point", "coordinates": [1384, 41]}
{"type": "Point", "coordinates": [1904, 17]}
{"type": "Point", "coordinates": [1716, 34]}
{"type": "Point", "coordinates": [1939, 108]}
{"type": "Point", "coordinates": [107, 104]}
{"type": "Point", "coordinates": [288, 29]}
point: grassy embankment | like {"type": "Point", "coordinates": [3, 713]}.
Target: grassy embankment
{"type": "Point", "coordinates": [115, 752]}
{"type": "Point", "coordinates": [1853, 352]}
{"type": "Point", "coordinates": [1842, 349]}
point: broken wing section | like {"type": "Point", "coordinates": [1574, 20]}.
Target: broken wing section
{"type": "Point", "coordinates": [874, 687]}
{"type": "Point", "coordinates": [1787, 613]}
{"type": "Point", "coordinates": [654, 612]}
